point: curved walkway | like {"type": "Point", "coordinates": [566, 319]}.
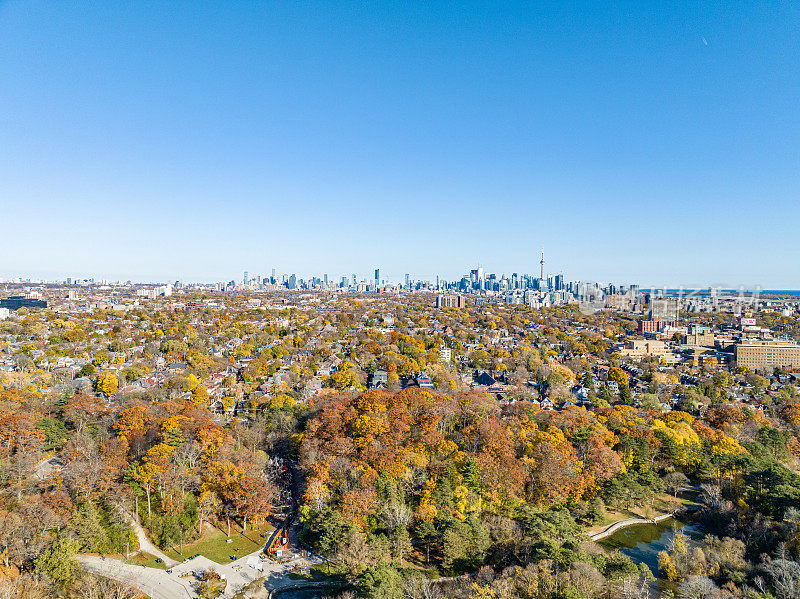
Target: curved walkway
{"type": "Point", "coordinates": [147, 546]}
{"type": "Point", "coordinates": [612, 528]}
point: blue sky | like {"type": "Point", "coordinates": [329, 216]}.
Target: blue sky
{"type": "Point", "coordinates": [649, 142]}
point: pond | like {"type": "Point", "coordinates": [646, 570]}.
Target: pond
{"type": "Point", "coordinates": [642, 542]}
{"type": "Point", "coordinates": [300, 594]}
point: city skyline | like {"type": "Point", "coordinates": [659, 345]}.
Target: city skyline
{"type": "Point", "coordinates": [554, 280]}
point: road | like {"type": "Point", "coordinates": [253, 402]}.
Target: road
{"type": "Point", "coordinates": [162, 585]}
{"type": "Point", "coordinates": [152, 581]}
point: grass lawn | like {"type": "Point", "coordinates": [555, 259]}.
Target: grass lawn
{"type": "Point", "coordinates": [145, 559]}
{"type": "Point", "coordinates": [214, 545]}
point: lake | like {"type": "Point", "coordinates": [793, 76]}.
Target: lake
{"type": "Point", "coordinates": [642, 542]}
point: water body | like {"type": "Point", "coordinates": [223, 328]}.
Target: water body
{"type": "Point", "coordinates": [300, 594]}
{"type": "Point", "coordinates": [706, 292]}
{"type": "Point", "coordinates": [642, 542]}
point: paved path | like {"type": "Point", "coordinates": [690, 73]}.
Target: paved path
{"type": "Point", "coordinates": [610, 530]}
{"type": "Point", "coordinates": [148, 547]}
{"type": "Point", "coordinates": [152, 581]}
{"type": "Point", "coordinates": [160, 584]}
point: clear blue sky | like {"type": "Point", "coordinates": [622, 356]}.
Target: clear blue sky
{"type": "Point", "coordinates": [639, 141]}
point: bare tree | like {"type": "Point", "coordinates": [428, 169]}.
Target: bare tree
{"type": "Point", "coordinates": [785, 576]}
{"type": "Point", "coordinates": [397, 514]}
{"type": "Point", "coordinates": [419, 587]}
{"type": "Point", "coordinates": [632, 588]}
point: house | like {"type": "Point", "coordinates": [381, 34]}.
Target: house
{"type": "Point", "coordinates": [484, 379]}
{"type": "Point", "coordinates": [379, 379]}
{"type": "Point", "coordinates": [424, 381]}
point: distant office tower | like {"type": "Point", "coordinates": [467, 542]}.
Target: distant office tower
{"type": "Point", "coordinates": [664, 309]}
{"type": "Point", "coordinates": [354, 280]}
{"type": "Point", "coordinates": [293, 281]}
{"type": "Point", "coordinates": [344, 282]}
{"type": "Point", "coordinates": [246, 278]}
{"type": "Point", "coordinates": [377, 276]}
{"type": "Point", "coordinates": [559, 282]}
{"type": "Point", "coordinates": [326, 280]}
{"type": "Point", "coordinates": [408, 281]}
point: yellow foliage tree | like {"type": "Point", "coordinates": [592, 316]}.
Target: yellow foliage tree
{"type": "Point", "coordinates": [107, 383]}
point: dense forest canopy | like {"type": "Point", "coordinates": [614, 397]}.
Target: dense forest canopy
{"type": "Point", "coordinates": [470, 453]}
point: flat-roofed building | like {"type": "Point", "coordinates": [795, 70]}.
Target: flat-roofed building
{"type": "Point", "coordinates": [638, 348]}
{"type": "Point", "coordinates": [450, 300]}
{"type": "Point", "coordinates": [767, 353]}
{"type": "Point", "coordinates": [699, 335]}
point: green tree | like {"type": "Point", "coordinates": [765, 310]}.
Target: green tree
{"type": "Point", "coordinates": [480, 359]}
{"type": "Point", "coordinates": [426, 532]}
{"type": "Point", "coordinates": [57, 562]}
{"type": "Point", "coordinates": [87, 370]}
{"type": "Point", "coordinates": [55, 433]}
{"type": "Point", "coordinates": [625, 395]}
{"type": "Point", "coordinates": [380, 582]}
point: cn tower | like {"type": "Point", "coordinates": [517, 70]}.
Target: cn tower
{"type": "Point", "coordinates": [541, 264]}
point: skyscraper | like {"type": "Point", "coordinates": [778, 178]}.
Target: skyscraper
{"type": "Point", "coordinates": [246, 278]}
{"type": "Point", "coordinates": [377, 277]}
